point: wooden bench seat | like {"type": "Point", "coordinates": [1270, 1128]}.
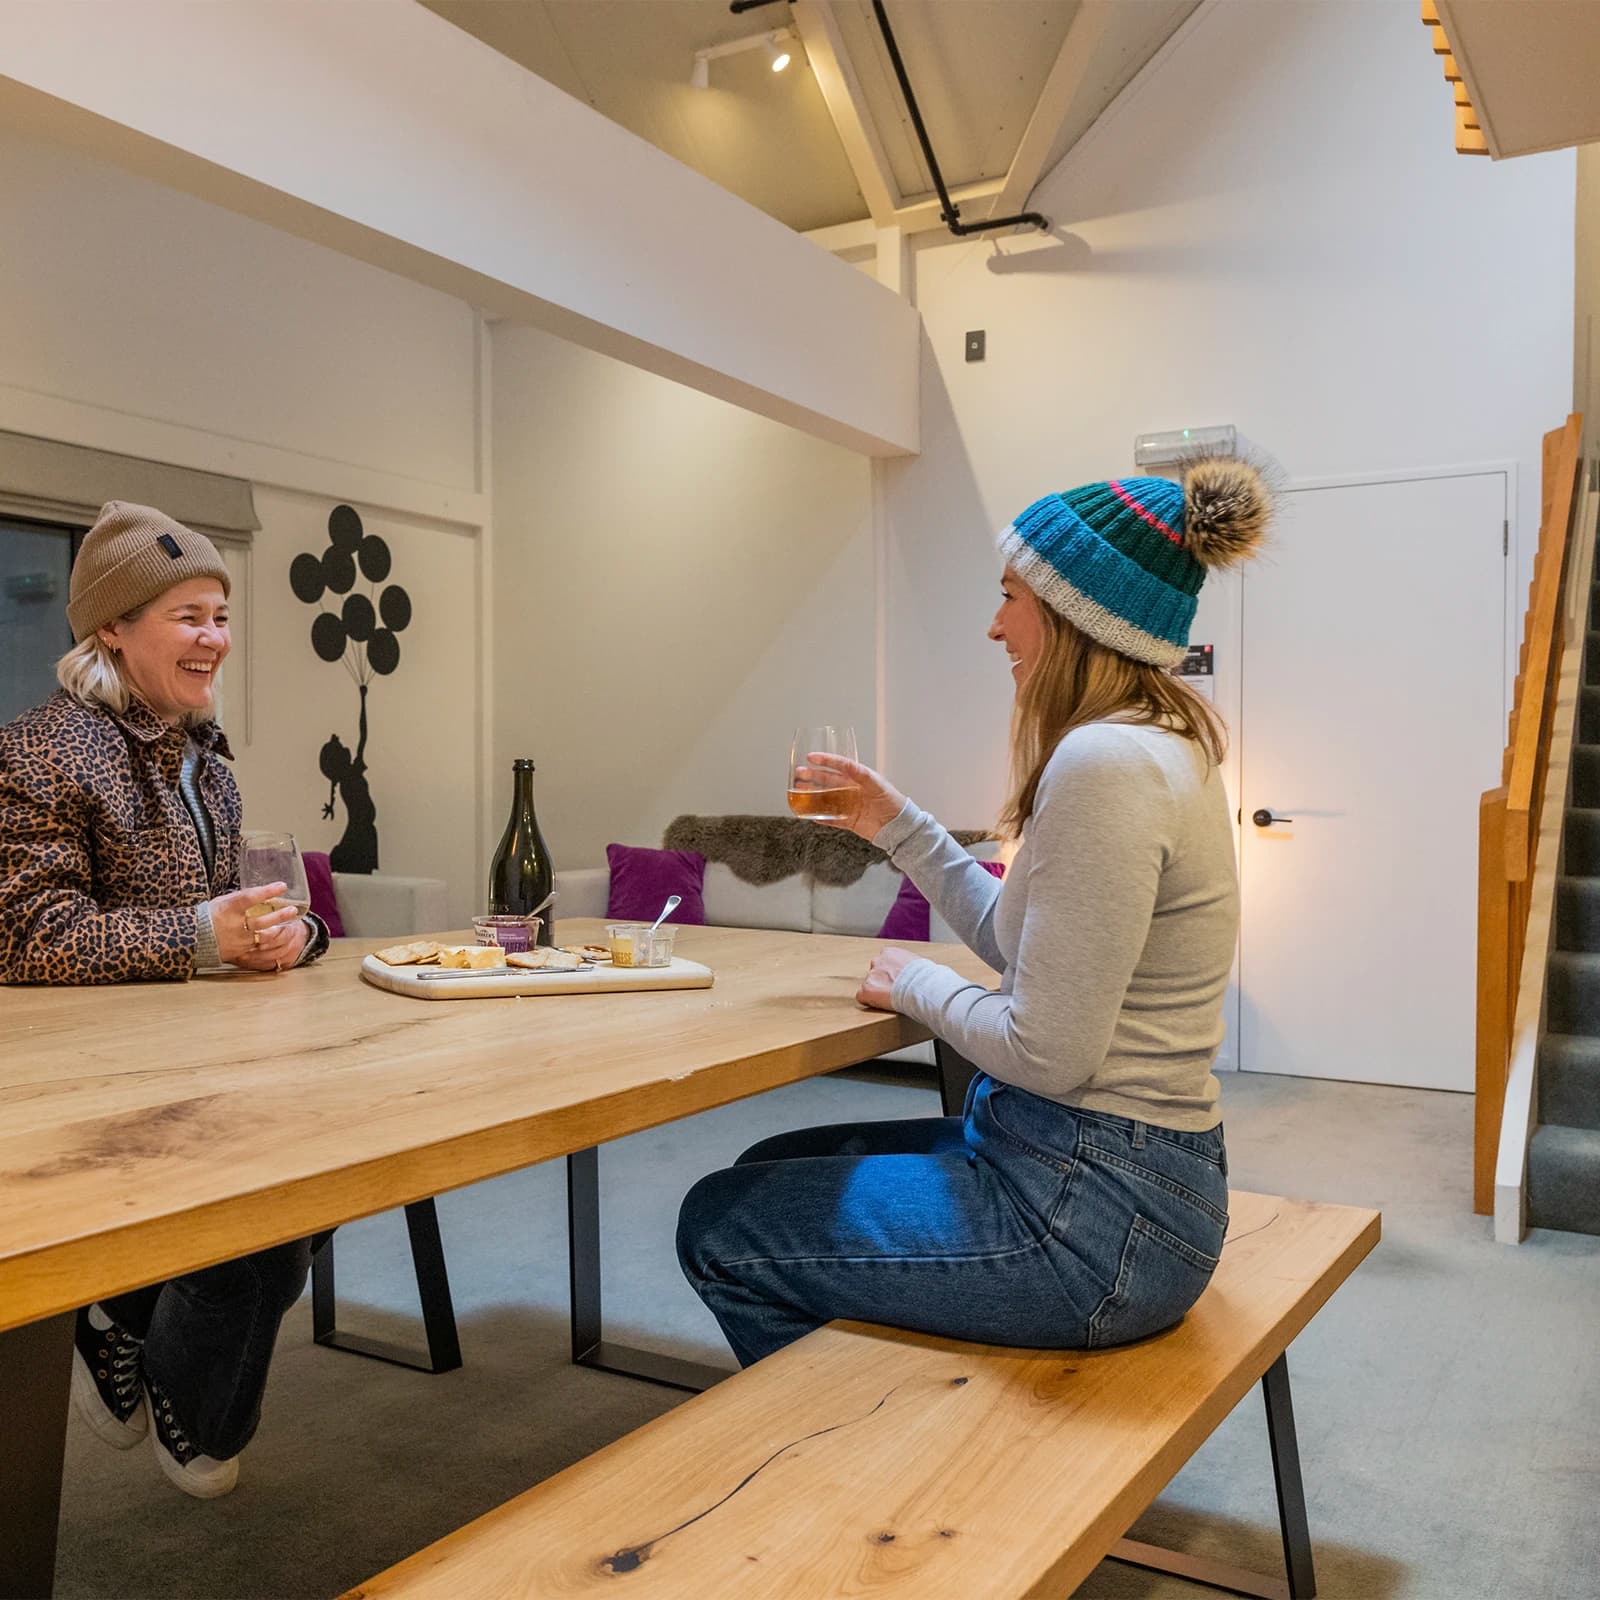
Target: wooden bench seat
{"type": "Point", "coordinates": [866, 1461]}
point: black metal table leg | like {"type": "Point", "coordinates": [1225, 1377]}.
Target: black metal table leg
{"type": "Point", "coordinates": [955, 1076]}
{"type": "Point", "coordinates": [35, 1373]}
{"type": "Point", "coordinates": [590, 1348]}
{"type": "Point", "coordinates": [433, 1290]}
{"type": "Point", "coordinates": [1300, 1581]}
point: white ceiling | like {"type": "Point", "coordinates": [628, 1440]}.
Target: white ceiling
{"type": "Point", "coordinates": [977, 66]}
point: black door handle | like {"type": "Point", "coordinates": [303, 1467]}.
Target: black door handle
{"type": "Point", "coordinates": [1264, 818]}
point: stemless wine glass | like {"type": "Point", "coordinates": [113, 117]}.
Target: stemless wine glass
{"type": "Point", "coordinates": [274, 858]}
{"type": "Point", "coordinates": [816, 792]}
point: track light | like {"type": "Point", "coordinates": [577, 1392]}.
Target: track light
{"type": "Point", "coordinates": [780, 46]}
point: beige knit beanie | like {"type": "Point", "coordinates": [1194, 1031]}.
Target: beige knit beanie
{"type": "Point", "coordinates": [131, 555]}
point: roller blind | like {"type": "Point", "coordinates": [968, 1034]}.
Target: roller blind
{"type": "Point", "coordinates": [56, 482]}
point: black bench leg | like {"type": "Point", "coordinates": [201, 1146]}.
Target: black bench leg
{"type": "Point", "coordinates": [955, 1077]}
{"type": "Point", "coordinates": [590, 1347]}
{"type": "Point", "coordinates": [1300, 1581]}
{"type": "Point", "coordinates": [1286, 1478]}
{"type": "Point", "coordinates": [35, 1371]}
{"type": "Point", "coordinates": [433, 1289]}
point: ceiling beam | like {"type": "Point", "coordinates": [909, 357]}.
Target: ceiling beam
{"type": "Point", "coordinates": [1085, 35]}
{"type": "Point", "coordinates": [847, 105]}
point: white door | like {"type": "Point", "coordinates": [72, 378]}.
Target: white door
{"type": "Point", "coordinates": [1372, 717]}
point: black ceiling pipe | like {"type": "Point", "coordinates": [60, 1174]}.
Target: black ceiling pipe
{"type": "Point", "coordinates": [948, 209]}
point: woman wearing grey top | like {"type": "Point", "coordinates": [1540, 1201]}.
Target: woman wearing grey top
{"type": "Point", "coordinates": [1081, 1199]}
{"type": "Point", "coordinates": [119, 862]}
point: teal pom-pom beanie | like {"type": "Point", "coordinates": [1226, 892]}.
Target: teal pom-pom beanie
{"type": "Point", "coordinates": [1123, 561]}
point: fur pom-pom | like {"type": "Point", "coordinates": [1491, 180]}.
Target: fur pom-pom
{"type": "Point", "coordinates": [1227, 506]}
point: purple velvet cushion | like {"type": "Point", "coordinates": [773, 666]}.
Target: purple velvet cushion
{"type": "Point", "coordinates": [641, 880]}
{"type": "Point", "coordinates": [908, 916]}
{"type": "Point", "coordinates": [319, 879]}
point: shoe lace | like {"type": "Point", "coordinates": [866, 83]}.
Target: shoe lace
{"type": "Point", "coordinates": [177, 1441]}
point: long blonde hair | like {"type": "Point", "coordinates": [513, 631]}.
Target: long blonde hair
{"type": "Point", "coordinates": [1078, 680]}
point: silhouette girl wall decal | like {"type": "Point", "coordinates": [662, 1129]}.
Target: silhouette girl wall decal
{"type": "Point", "coordinates": [363, 635]}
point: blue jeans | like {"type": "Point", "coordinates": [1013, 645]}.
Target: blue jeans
{"type": "Point", "coordinates": [1022, 1222]}
{"type": "Point", "coordinates": [208, 1339]}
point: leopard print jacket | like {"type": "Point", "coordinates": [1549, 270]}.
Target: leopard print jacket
{"type": "Point", "coordinates": [100, 864]}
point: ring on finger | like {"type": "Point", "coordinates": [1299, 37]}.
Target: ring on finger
{"type": "Point", "coordinates": [255, 938]}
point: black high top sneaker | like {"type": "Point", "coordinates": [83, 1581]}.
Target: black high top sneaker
{"type": "Point", "coordinates": [180, 1457]}
{"type": "Point", "coordinates": [106, 1379]}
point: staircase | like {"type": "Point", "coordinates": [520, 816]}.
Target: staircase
{"type": "Point", "coordinates": [1564, 1155]}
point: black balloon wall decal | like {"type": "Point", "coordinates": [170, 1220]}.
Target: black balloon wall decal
{"type": "Point", "coordinates": [361, 631]}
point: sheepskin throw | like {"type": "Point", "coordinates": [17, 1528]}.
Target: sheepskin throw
{"type": "Point", "coordinates": [763, 850]}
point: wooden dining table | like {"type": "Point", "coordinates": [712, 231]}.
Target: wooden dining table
{"type": "Point", "coordinates": [148, 1130]}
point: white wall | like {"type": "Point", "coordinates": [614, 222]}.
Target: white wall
{"type": "Point", "coordinates": [677, 584]}
{"type": "Point", "coordinates": [1270, 228]}
{"type": "Point", "coordinates": [385, 132]}
{"type": "Point", "coordinates": [143, 321]}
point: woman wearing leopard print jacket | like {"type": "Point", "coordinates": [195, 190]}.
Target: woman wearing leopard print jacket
{"type": "Point", "coordinates": [119, 860]}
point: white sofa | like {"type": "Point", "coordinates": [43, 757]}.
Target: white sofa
{"type": "Point", "coordinates": [797, 903]}
{"type": "Point", "coordinates": [377, 905]}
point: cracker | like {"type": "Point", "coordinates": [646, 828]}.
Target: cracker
{"type": "Point", "coordinates": [420, 952]}
{"type": "Point", "coordinates": [545, 960]}
{"type": "Point", "coordinates": [589, 952]}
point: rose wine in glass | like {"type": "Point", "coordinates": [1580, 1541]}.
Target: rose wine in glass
{"type": "Point", "coordinates": [816, 793]}
{"type": "Point", "coordinates": [274, 858]}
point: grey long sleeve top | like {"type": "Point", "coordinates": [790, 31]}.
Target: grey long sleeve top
{"type": "Point", "coordinates": [1114, 930]}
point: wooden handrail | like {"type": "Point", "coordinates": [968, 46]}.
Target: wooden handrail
{"type": "Point", "coordinates": [1530, 742]}
{"type": "Point", "coordinates": [1509, 816]}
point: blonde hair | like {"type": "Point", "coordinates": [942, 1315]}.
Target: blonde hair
{"type": "Point", "coordinates": [91, 672]}
{"type": "Point", "coordinates": [1078, 680]}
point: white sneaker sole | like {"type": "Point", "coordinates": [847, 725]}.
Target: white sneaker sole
{"type": "Point", "coordinates": [87, 1403]}
{"type": "Point", "coordinates": [208, 1482]}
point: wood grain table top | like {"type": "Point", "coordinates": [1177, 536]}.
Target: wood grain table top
{"type": "Point", "coordinates": [151, 1129]}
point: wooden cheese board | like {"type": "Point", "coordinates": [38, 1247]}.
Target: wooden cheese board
{"type": "Point", "coordinates": [433, 983]}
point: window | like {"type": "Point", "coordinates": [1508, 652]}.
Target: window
{"type": "Point", "coordinates": [35, 563]}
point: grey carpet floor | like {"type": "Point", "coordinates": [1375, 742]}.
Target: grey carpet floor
{"type": "Point", "coordinates": [1448, 1399]}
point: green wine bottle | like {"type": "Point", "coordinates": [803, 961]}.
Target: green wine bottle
{"type": "Point", "coordinates": [521, 876]}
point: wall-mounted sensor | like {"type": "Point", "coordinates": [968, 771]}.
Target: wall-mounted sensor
{"type": "Point", "coordinates": [975, 345]}
{"type": "Point", "coordinates": [1168, 449]}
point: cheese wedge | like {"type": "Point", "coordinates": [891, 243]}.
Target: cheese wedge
{"type": "Point", "coordinates": [476, 957]}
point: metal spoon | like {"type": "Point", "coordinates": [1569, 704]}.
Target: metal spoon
{"type": "Point", "coordinates": [673, 902]}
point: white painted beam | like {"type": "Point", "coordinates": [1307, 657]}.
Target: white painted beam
{"type": "Point", "coordinates": [847, 105]}
{"type": "Point", "coordinates": [386, 133]}
{"type": "Point", "coordinates": [1085, 35]}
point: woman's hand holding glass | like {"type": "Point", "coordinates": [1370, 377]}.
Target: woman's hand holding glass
{"type": "Point", "coordinates": [867, 805]}
{"type": "Point", "coordinates": [268, 940]}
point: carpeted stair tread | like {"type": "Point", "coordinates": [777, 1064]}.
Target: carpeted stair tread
{"type": "Point", "coordinates": [1589, 714]}
{"type": "Point", "coordinates": [1586, 775]}
{"type": "Point", "coordinates": [1564, 1179]}
{"type": "Point", "coordinates": [1591, 656]}
{"type": "Point", "coordinates": [1578, 913]}
{"type": "Point", "coordinates": [1572, 992]}
{"type": "Point", "coordinates": [1569, 1080]}
{"type": "Point", "coordinates": [1581, 854]}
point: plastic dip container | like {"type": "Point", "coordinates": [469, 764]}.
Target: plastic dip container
{"type": "Point", "coordinates": [634, 945]}
{"type": "Point", "coordinates": [510, 933]}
